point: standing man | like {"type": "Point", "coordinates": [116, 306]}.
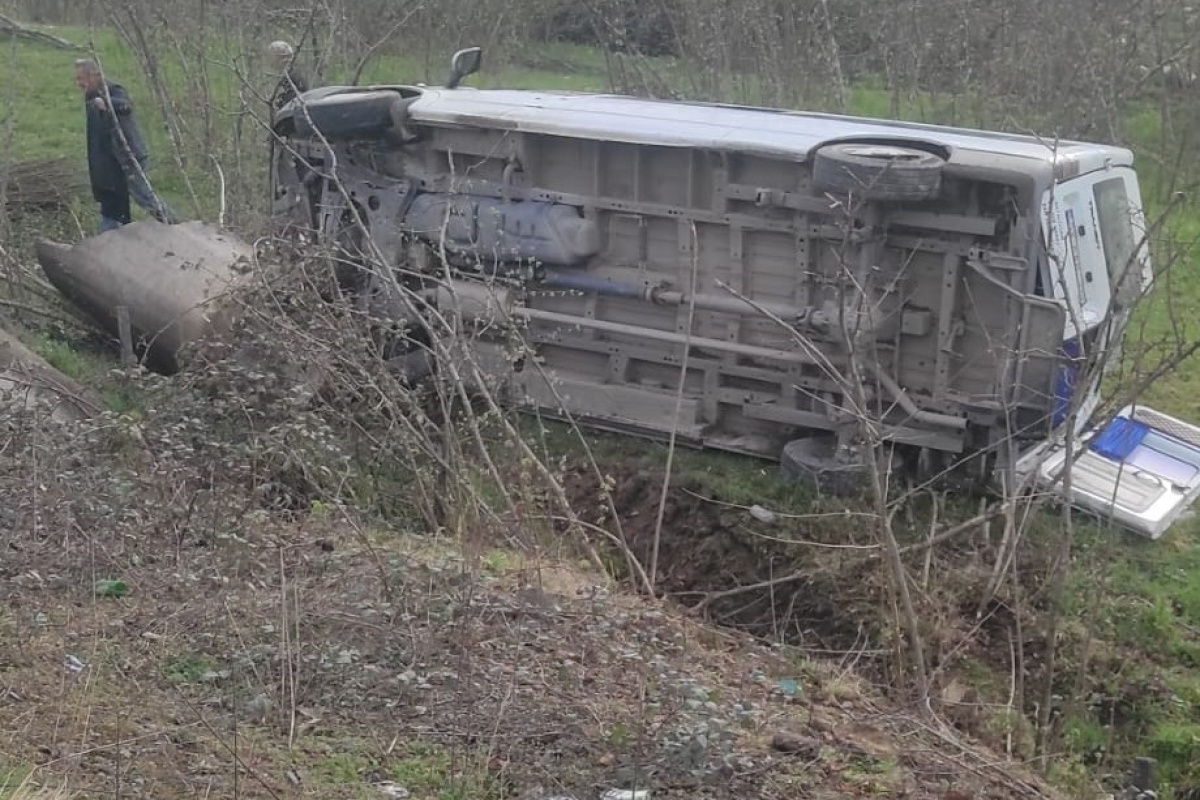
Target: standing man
{"type": "Point", "coordinates": [117, 156]}
{"type": "Point", "coordinates": [291, 81]}
{"type": "Point", "coordinates": [281, 64]}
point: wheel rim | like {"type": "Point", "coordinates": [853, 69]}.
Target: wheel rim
{"type": "Point", "coordinates": [883, 152]}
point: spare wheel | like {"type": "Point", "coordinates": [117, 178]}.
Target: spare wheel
{"type": "Point", "coordinates": [878, 171]}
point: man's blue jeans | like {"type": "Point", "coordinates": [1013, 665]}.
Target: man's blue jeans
{"type": "Point", "coordinates": [142, 194]}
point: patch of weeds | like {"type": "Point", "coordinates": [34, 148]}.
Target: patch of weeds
{"type": "Point", "coordinates": [341, 768]}
{"type": "Point", "coordinates": [1074, 777]}
{"type": "Point", "coordinates": [124, 400]}
{"type": "Point", "coordinates": [619, 738]}
{"type": "Point", "coordinates": [188, 668]}
{"type": "Point", "coordinates": [423, 769]}
{"type": "Point", "coordinates": [110, 587]}
{"type": "Point", "coordinates": [842, 687]}
{"type": "Point", "coordinates": [490, 494]}
{"type": "Point", "coordinates": [875, 775]}
{"type": "Point", "coordinates": [743, 480]}
{"type": "Point", "coordinates": [1008, 725]}
{"type": "Point", "coordinates": [428, 770]}
{"type": "Point", "coordinates": [11, 778]}
{"type": "Point", "coordinates": [382, 485]}
{"type": "Point", "coordinates": [1176, 745]}
{"type": "Point", "coordinates": [1154, 625]}
{"type": "Point", "coordinates": [62, 357]}
{"type": "Point", "coordinates": [1085, 738]}
{"type": "Point", "coordinates": [1186, 653]}
{"type": "Point", "coordinates": [1185, 684]}
{"type": "Point", "coordinates": [980, 676]}
{"type": "Point", "coordinates": [496, 562]}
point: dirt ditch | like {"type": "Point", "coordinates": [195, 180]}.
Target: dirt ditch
{"type": "Point", "coordinates": [718, 559]}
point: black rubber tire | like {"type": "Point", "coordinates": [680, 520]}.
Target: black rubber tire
{"type": "Point", "coordinates": [811, 461]}
{"type": "Point", "coordinates": [348, 115]}
{"type": "Point", "coordinates": [878, 171]}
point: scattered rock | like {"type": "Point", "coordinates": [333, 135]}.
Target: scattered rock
{"type": "Point", "coordinates": [258, 707]}
{"type": "Point", "coordinates": [531, 597]}
{"type": "Point", "coordinates": [796, 744]}
{"type": "Point", "coordinates": [867, 741]}
{"type": "Point", "coordinates": [820, 723]}
{"type": "Point", "coordinates": [763, 515]}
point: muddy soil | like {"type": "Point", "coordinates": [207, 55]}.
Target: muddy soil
{"type": "Point", "coordinates": [718, 559]}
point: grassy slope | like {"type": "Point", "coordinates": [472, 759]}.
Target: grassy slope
{"type": "Point", "coordinates": [1155, 589]}
{"type": "Point", "coordinates": [41, 115]}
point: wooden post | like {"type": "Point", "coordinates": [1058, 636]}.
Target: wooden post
{"type": "Point", "coordinates": [1143, 778]}
{"type": "Point", "coordinates": [126, 333]}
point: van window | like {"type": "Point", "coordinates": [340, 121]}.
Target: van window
{"type": "Point", "coordinates": [1117, 237]}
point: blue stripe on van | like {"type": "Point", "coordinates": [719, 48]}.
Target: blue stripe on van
{"type": "Point", "coordinates": [1119, 438]}
{"type": "Point", "coordinates": [1064, 383]}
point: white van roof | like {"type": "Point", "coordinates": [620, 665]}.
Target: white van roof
{"type": "Point", "coordinates": [774, 132]}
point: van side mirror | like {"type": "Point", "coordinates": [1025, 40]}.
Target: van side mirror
{"type": "Point", "coordinates": [465, 62]}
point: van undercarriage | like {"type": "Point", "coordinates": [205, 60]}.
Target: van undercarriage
{"type": "Point", "coordinates": [735, 300]}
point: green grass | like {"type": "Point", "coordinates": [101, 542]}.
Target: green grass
{"type": "Point", "coordinates": [64, 358]}
{"type": "Point", "coordinates": [41, 114]}
{"type": "Point", "coordinates": [341, 769]}
{"type": "Point", "coordinates": [12, 776]}
{"type": "Point", "coordinates": [724, 476]}
{"type": "Point", "coordinates": [431, 771]}
{"type": "Point", "coordinates": [1177, 744]}
{"type": "Point", "coordinates": [427, 770]}
{"type": "Point", "coordinates": [90, 369]}
{"type": "Point", "coordinates": [188, 668]}
{"type": "Point", "coordinates": [1139, 601]}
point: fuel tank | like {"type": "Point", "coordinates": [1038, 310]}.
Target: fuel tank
{"type": "Point", "coordinates": [172, 279]}
{"type": "Point", "coordinates": [495, 230]}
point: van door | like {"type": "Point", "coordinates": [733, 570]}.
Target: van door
{"type": "Point", "coordinates": [1096, 237]}
{"type": "Point", "coordinates": [1077, 267]}
{"type": "Point", "coordinates": [1140, 471]}
{"type": "Point", "coordinates": [1098, 266]}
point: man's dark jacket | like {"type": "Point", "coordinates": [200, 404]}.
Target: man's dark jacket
{"type": "Point", "coordinates": [284, 93]}
{"type": "Point", "coordinates": [112, 148]}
